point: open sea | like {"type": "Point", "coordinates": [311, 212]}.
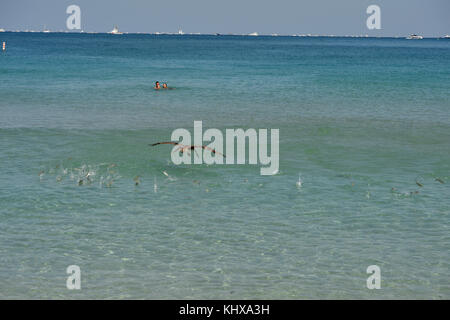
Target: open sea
{"type": "Point", "coordinates": [364, 126]}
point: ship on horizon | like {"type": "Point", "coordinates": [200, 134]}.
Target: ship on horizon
{"type": "Point", "coordinates": [414, 37]}
{"type": "Point", "coordinates": [115, 30]}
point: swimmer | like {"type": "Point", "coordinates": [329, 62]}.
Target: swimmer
{"type": "Point", "coordinates": [166, 87]}
{"type": "Point", "coordinates": [157, 86]}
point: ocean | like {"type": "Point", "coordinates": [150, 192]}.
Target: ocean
{"type": "Point", "coordinates": [364, 125]}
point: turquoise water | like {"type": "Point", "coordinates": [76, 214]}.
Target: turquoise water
{"type": "Point", "coordinates": [357, 117]}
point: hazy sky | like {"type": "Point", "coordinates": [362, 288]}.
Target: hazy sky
{"type": "Point", "coordinates": [339, 17]}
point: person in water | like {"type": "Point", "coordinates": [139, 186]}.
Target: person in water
{"type": "Point", "coordinates": [166, 87]}
{"type": "Point", "coordinates": [157, 86]}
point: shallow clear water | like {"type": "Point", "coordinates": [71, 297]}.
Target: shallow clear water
{"type": "Point", "coordinates": [357, 117]}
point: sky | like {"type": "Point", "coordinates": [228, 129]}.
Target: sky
{"type": "Point", "coordinates": [430, 18]}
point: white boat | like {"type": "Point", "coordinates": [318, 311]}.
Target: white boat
{"type": "Point", "coordinates": [447, 37]}
{"type": "Point", "coordinates": [253, 34]}
{"type": "Point", "coordinates": [414, 37]}
{"type": "Point", "coordinates": [2, 30]}
{"type": "Point", "coordinates": [115, 31]}
{"type": "Point", "coordinates": [180, 32]}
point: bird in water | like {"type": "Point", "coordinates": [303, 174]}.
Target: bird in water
{"type": "Point", "coordinates": [439, 180]}
{"type": "Point", "coordinates": [137, 180]}
{"type": "Point", "coordinates": [183, 148]}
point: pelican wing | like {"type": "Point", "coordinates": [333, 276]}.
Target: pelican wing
{"type": "Point", "coordinates": [184, 148]}
{"type": "Point", "coordinates": [165, 142]}
{"type": "Point", "coordinates": [213, 150]}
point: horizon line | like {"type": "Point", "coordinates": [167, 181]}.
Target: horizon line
{"type": "Point", "coordinates": [254, 34]}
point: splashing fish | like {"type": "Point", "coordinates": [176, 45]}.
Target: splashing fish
{"type": "Point", "coordinates": [299, 182]}
{"type": "Point", "coordinates": [168, 176]}
{"type": "Point", "coordinates": [418, 183]}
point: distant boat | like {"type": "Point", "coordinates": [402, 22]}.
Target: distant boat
{"type": "Point", "coordinates": [46, 30]}
{"type": "Point", "coordinates": [253, 34]}
{"type": "Point", "coordinates": [180, 32]}
{"type": "Point", "coordinates": [414, 37]}
{"type": "Point", "coordinates": [446, 37]}
{"type": "Point", "coordinates": [2, 30]}
{"type": "Point", "coordinates": [115, 31]}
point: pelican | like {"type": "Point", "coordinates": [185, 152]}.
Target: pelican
{"type": "Point", "coordinates": [184, 148]}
